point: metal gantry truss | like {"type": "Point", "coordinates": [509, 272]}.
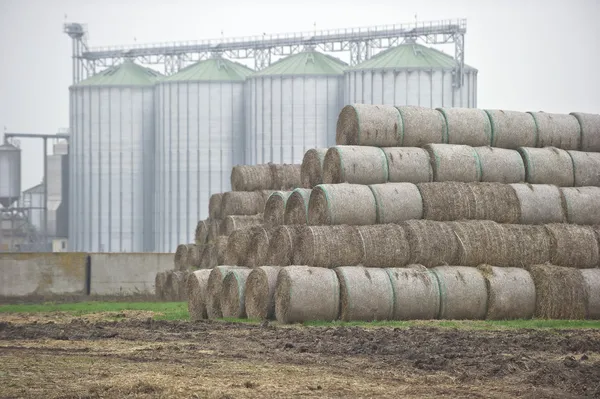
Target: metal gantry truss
{"type": "Point", "coordinates": [361, 43]}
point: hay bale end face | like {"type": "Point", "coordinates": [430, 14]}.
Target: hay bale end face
{"type": "Point", "coordinates": [329, 205]}
{"type": "Point", "coordinates": [557, 130]}
{"type": "Point", "coordinates": [548, 166]}
{"type": "Point", "coordinates": [582, 204]}
{"type": "Point", "coordinates": [196, 285]}
{"type": "Point", "coordinates": [328, 246]}
{"type": "Point", "coordinates": [355, 165]}
{"type": "Point", "coordinates": [236, 252]}
{"type": "Point", "coordinates": [590, 131]}
{"type": "Point", "coordinates": [180, 258]}
{"type": "Point", "coordinates": [201, 233]}
{"type": "Point", "coordinates": [282, 245]}
{"type": "Point", "coordinates": [384, 246]}
{"type": "Point", "coordinates": [178, 286]}
{"type": "Point", "coordinates": [540, 203]}
{"type": "Point", "coordinates": [306, 293]}
{"type": "Point", "coordinates": [233, 294]}
{"type": "Point", "coordinates": [431, 243]}
{"type": "Point", "coordinates": [499, 165]}
{"type": "Point", "coordinates": [511, 293]}
{"type": "Point", "coordinates": [459, 163]}
{"type": "Point", "coordinates": [214, 230]}
{"type": "Point", "coordinates": [416, 293]}
{"type": "Point", "coordinates": [591, 277]}
{"type": "Point", "coordinates": [560, 292]}
{"type": "Point", "coordinates": [573, 246]}
{"type": "Point", "coordinates": [512, 129]}
{"type": "Point", "coordinates": [159, 286]}
{"type": "Point", "coordinates": [275, 208]}
{"type": "Point", "coordinates": [214, 206]}
{"type": "Point", "coordinates": [467, 126]}
{"type": "Point", "coordinates": [586, 168]}
{"type": "Point", "coordinates": [422, 126]}
{"type": "Point", "coordinates": [296, 207]}
{"type": "Point", "coordinates": [260, 292]}
{"type": "Point", "coordinates": [251, 177]}
{"type": "Point", "coordinates": [242, 203]}
{"type": "Point", "coordinates": [214, 290]}
{"type": "Point", "coordinates": [365, 294]}
{"type": "Point", "coordinates": [463, 293]}
{"type": "Point", "coordinates": [374, 125]}
{"type": "Point", "coordinates": [397, 202]}
{"type": "Point", "coordinates": [311, 172]}
{"type": "Point", "coordinates": [258, 248]}
{"type": "Point", "coordinates": [408, 165]}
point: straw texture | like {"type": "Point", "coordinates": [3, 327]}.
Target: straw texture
{"type": "Point", "coordinates": [196, 285]}
{"type": "Point", "coordinates": [499, 165]}
{"type": "Point", "coordinates": [214, 290]}
{"type": "Point", "coordinates": [573, 246]}
{"type": "Point", "coordinates": [236, 222]}
{"type": "Point", "coordinates": [586, 168]}
{"type": "Point", "coordinates": [284, 177]}
{"type": "Point", "coordinates": [242, 203]}
{"type": "Point", "coordinates": [422, 126]}
{"type": "Point", "coordinates": [416, 293]}
{"type": "Point", "coordinates": [201, 233]}
{"type": "Point", "coordinates": [384, 246]}
{"type": "Point", "coordinates": [463, 293]}
{"type": "Point", "coordinates": [355, 165]}
{"type": "Point", "coordinates": [214, 230]}
{"type": "Point", "coordinates": [251, 177]}
{"type": "Point", "coordinates": [282, 245]}
{"type": "Point", "coordinates": [214, 206]}
{"type": "Point", "coordinates": [397, 202]}
{"type": "Point", "coordinates": [328, 246]}
{"type": "Point", "coordinates": [330, 204]}
{"type": "Point", "coordinates": [365, 294]}
{"type": "Point", "coordinates": [258, 248]}
{"type": "Point", "coordinates": [458, 163]}
{"type": "Point", "coordinates": [408, 164]}
{"type": "Point", "coordinates": [548, 166]}
{"type": "Point", "coordinates": [590, 131]}
{"type": "Point", "coordinates": [511, 293]}
{"type": "Point", "coordinates": [260, 292]}
{"type": "Point", "coordinates": [468, 126]}
{"type": "Point", "coordinates": [376, 125]}
{"type": "Point", "coordinates": [591, 278]}
{"type": "Point", "coordinates": [560, 292]}
{"type": "Point", "coordinates": [311, 172]}
{"type": "Point", "coordinates": [512, 129]}
{"type": "Point", "coordinates": [296, 207]}
{"type": "Point", "coordinates": [275, 208]}
{"type": "Point", "coordinates": [431, 243]}
{"type": "Point", "coordinates": [238, 246]}
{"type": "Point", "coordinates": [557, 130]}
{"type": "Point", "coordinates": [159, 285]}
{"type": "Point", "coordinates": [233, 293]}
{"type": "Point", "coordinates": [540, 203]}
{"type": "Point", "coordinates": [582, 204]}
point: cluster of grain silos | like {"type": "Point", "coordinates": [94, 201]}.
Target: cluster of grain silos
{"type": "Point", "coordinates": [148, 151]}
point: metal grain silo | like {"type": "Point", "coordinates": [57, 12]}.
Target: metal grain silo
{"type": "Point", "coordinates": [292, 106]}
{"type": "Point", "coordinates": [10, 174]}
{"type": "Point", "coordinates": [410, 74]}
{"type": "Point", "coordinates": [111, 156]}
{"type": "Point", "coordinates": [200, 137]}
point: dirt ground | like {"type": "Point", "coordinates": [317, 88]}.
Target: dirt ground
{"type": "Point", "coordinates": [89, 357]}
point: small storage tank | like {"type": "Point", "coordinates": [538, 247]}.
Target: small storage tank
{"type": "Point", "coordinates": [410, 74]}
{"type": "Point", "coordinates": [111, 157]}
{"type": "Point", "coordinates": [293, 106]}
{"type": "Point", "coordinates": [199, 138]}
{"type": "Point", "coordinates": [10, 174]}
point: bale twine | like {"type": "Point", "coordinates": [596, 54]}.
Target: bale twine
{"type": "Point", "coordinates": [582, 204]}
{"type": "Point", "coordinates": [214, 206]}
{"type": "Point", "coordinates": [282, 245]}
{"type": "Point", "coordinates": [454, 163]}
{"type": "Point", "coordinates": [512, 129]}
{"type": "Point", "coordinates": [548, 166]}
{"type": "Point", "coordinates": [296, 207]}
{"type": "Point", "coordinates": [408, 164]}
{"type": "Point", "coordinates": [260, 292]}
{"type": "Point", "coordinates": [251, 177]}
{"type": "Point", "coordinates": [355, 165]}
{"type": "Point", "coordinates": [511, 293]}
{"type": "Point", "coordinates": [365, 294]}
{"type": "Point", "coordinates": [159, 285]}
{"type": "Point", "coordinates": [242, 203]}
{"type": "Point", "coordinates": [540, 203]}
{"type": "Point", "coordinates": [196, 285]}
{"type": "Point", "coordinates": [573, 246]}
{"type": "Point", "coordinates": [467, 126]}
{"type": "Point", "coordinates": [384, 246]}
{"type": "Point", "coordinates": [233, 293]}
{"type": "Point", "coordinates": [235, 222]}
{"type": "Point", "coordinates": [422, 126]}
{"type": "Point", "coordinates": [328, 246]}
{"type": "Point", "coordinates": [586, 168]}
{"type": "Point", "coordinates": [285, 177]}
{"type": "Point", "coordinates": [351, 204]}
{"type": "Point", "coordinates": [397, 202]}
{"type": "Point", "coordinates": [590, 131]}
{"type": "Point", "coordinates": [376, 125]}
{"type": "Point", "coordinates": [201, 233]}
{"type": "Point", "coordinates": [275, 208]}
{"type": "Point", "coordinates": [416, 293]}
{"type": "Point", "coordinates": [463, 293]}
{"type": "Point", "coordinates": [311, 171]}
{"type": "Point", "coordinates": [214, 290]}
{"type": "Point", "coordinates": [258, 248]}
{"type": "Point", "coordinates": [236, 252]}
{"type": "Point", "coordinates": [306, 293]}
{"type": "Point", "coordinates": [560, 292]}
{"type": "Point", "coordinates": [499, 165]}
{"type": "Point", "coordinates": [591, 278]}
{"type": "Point", "coordinates": [431, 243]}
{"type": "Point", "coordinates": [214, 229]}
{"type": "Point", "coordinates": [557, 130]}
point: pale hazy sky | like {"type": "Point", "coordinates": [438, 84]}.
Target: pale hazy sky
{"type": "Point", "coordinates": [531, 55]}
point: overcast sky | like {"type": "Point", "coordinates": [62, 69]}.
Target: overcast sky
{"type": "Point", "coordinates": [531, 55]}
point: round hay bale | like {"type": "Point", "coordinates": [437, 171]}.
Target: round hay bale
{"type": "Point", "coordinates": [463, 293]}
{"type": "Point", "coordinates": [275, 208]}
{"type": "Point", "coordinates": [180, 259]}
{"type": "Point", "coordinates": [233, 293]}
{"type": "Point", "coordinates": [591, 278]}
{"type": "Point", "coordinates": [285, 177]}
{"type": "Point", "coordinates": [220, 246]}
{"type": "Point", "coordinates": [282, 245]}
{"type": "Point", "coordinates": [238, 246]}
{"type": "Point", "coordinates": [540, 203]}
{"type": "Point", "coordinates": [242, 203]}
{"type": "Point", "coordinates": [260, 292]}
{"type": "Point", "coordinates": [376, 125]}
{"type": "Point", "coordinates": [311, 171]}
{"type": "Point", "coordinates": [306, 293]}
{"type": "Point", "coordinates": [214, 290]}
{"type": "Point", "coordinates": [214, 229]}
{"type": "Point", "coordinates": [397, 202]}
{"type": "Point", "coordinates": [511, 293]}
{"type": "Point", "coordinates": [590, 131]}
{"type": "Point", "coordinates": [431, 243]}
{"type": "Point", "coordinates": [214, 206]}
{"type": "Point", "coordinates": [548, 166]}
{"type": "Point", "coordinates": [586, 168]}
{"type": "Point", "coordinates": [355, 165]}
{"type": "Point", "coordinates": [499, 165]}
{"type": "Point", "coordinates": [194, 257]}
{"type": "Point", "coordinates": [454, 163]}
{"type": "Point", "coordinates": [384, 246]}
{"type": "Point", "coordinates": [296, 207]}
{"type": "Point", "coordinates": [329, 205]}
{"type": "Point", "coordinates": [208, 260]}
{"type": "Point", "coordinates": [328, 246]}
{"type": "Point", "coordinates": [582, 204]}
{"type": "Point", "coordinates": [236, 222]}
{"type": "Point", "coordinates": [557, 130]}
{"type": "Point", "coordinates": [365, 294]}
{"type": "Point", "coordinates": [573, 246]}
{"type": "Point", "coordinates": [178, 280]}
{"type": "Point", "coordinates": [416, 293]}
{"type": "Point", "coordinates": [251, 178]}
{"type": "Point", "coordinates": [201, 233]}
{"type": "Point", "coordinates": [422, 126]}
{"type": "Point", "coordinates": [560, 292]}
{"type": "Point", "coordinates": [512, 129]}
{"type": "Point", "coordinates": [168, 287]}
{"type": "Point", "coordinates": [258, 248]}
{"type": "Point", "coordinates": [408, 164]}
{"type": "Point", "coordinates": [467, 126]}
{"type": "Point", "coordinates": [196, 285]}
{"type": "Point", "coordinates": [159, 285]}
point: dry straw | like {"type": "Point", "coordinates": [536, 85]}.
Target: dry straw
{"type": "Point", "coordinates": [236, 252]}
{"type": "Point", "coordinates": [233, 294]}
{"type": "Point", "coordinates": [251, 177]}
{"type": "Point", "coordinates": [311, 172]}
{"type": "Point", "coordinates": [499, 165]}
{"type": "Point", "coordinates": [548, 166]}
{"type": "Point", "coordinates": [376, 125]}
{"type": "Point", "coordinates": [214, 206]}
{"type": "Point", "coordinates": [214, 290]}
{"type": "Point", "coordinates": [511, 293]}
{"type": "Point", "coordinates": [591, 277]}
{"type": "Point", "coordinates": [260, 292]}
{"type": "Point", "coordinates": [258, 248]}
{"type": "Point", "coordinates": [540, 203]}
{"type": "Point", "coordinates": [557, 130]}
{"type": "Point", "coordinates": [512, 129]}
{"type": "Point", "coordinates": [328, 246]}
{"type": "Point", "coordinates": [582, 204]}
{"type": "Point", "coordinates": [201, 233]}
{"type": "Point", "coordinates": [284, 177]}
{"type": "Point", "coordinates": [214, 229]}
{"type": "Point", "coordinates": [468, 126]}
{"type": "Point", "coordinates": [431, 243]}
{"type": "Point", "coordinates": [306, 293]}
{"type": "Point", "coordinates": [275, 208]}
{"type": "Point", "coordinates": [590, 131]}
{"type": "Point", "coordinates": [463, 293]}
{"type": "Point", "coordinates": [176, 286]}
{"type": "Point", "coordinates": [397, 202]}
{"type": "Point", "coordinates": [560, 292]}
{"type": "Point", "coordinates": [236, 222]}
{"type": "Point", "coordinates": [355, 165]}
{"type": "Point", "coordinates": [586, 168]}
{"type": "Point", "coordinates": [159, 285]}
{"type": "Point", "coordinates": [196, 285]}
{"type": "Point", "coordinates": [180, 259]}
{"type": "Point", "coordinates": [365, 294]}
{"type": "Point", "coordinates": [573, 246]}
{"type": "Point", "coordinates": [194, 257]}
{"type": "Point", "coordinates": [416, 293]}
{"type": "Point", "coordinates": [282, 245]}
{"type": "Point", "coordinates": [422, 126]}
{"type": "Point", "coordinates": [242, 203]}
{"type": "Point", "coordinates": [351, 204]}
{"type": "Point", "coordinates": [296, 207]}
{"type": "Point", "coordinates": [450, 162]}
{"type": "Point", "coordinates": [408, 164]}
{"type": "Point", "coordinates": [384, 246]}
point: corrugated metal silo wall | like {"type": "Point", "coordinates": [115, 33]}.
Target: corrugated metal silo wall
{"type": "Point", "coordinates": [288, 115]}
{"type": "Point", "coordinates": [112, 144]}
{"type": "Point", "coordinates": [200, 137]}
